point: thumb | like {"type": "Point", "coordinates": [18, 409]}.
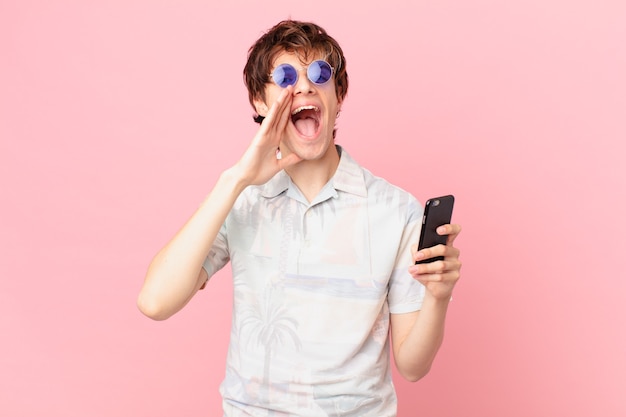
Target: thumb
{"type": "Point", "coordinates": [289, 160]}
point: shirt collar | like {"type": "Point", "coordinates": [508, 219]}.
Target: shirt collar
{"type": "Point", "coordinates": [347, 178]}
{"type": "Point", "coordinates": [349, 175]}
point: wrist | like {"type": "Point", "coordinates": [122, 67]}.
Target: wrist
{"type": "Point", "coordinates": [441, 301]}
{"type": "Point", "coordinates": [233, 179]}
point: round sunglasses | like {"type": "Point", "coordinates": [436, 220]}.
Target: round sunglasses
{"type": "Point", "coordinates": [318, 72]}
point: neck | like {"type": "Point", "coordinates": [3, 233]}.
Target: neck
{"type": "Point", "coordinates": [311, 176]}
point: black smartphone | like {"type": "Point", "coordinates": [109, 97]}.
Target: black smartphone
{"type": "Point", "coordinates": [437, 212]}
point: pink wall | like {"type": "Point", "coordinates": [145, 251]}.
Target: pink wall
{"type": "Point", "coordinates": [116, 118]}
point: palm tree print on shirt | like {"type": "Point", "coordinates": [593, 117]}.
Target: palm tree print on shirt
{"type": "Point", "coordinates": [271, 327]}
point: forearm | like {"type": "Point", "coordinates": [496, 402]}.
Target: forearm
{"type": "Point", "coordinates": [173, 275]}
{"type": "Point", "coordinates": [416, 352]}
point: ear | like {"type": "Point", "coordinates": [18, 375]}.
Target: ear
{"type": "Point", "coordinates": [260, 107]}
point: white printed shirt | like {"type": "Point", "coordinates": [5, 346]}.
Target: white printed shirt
{"type": "Point", "coordinates": [314, 284]}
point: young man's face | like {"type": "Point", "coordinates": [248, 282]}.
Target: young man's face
{"type": "Point", "coordinates": [314, 110]}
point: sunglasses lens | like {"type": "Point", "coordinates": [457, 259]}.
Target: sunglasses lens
{"type": "Point", "coordinates": [319, 72]}
{"type": "Point", "coordinates": [285, 75]}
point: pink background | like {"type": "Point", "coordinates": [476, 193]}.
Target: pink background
{"type": "Point", "coordinates": [116, 118]}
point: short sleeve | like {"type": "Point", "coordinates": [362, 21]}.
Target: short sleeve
{"type": "Point", "coordinates": [405, 293]}
{"type": "Point", "coordinates": [219, 255]}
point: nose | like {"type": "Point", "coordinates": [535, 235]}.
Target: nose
{"type": "Point", "coordinates": [303, 84]}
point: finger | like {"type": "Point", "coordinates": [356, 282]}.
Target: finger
{"type": "Point", "coordinates": [452, 236]}
{"type": "Point", "coordinates": [289, 160]}
{"type": "Point", "coordinates": [448, 264]}
{"type": "Point", "coordinates": [427, 268]}
{"type": "Point", "coordinates": [285, 108]}
{"type": "Point", "coordinates": [442, 268]}
{"type": "Point", "coordinates": [450, 252]}
{"type": "Point", "coordinates": [437, 270]}
{"type": "Point", "coordinates": [272, 128]}
{"type": "Point", "coordinates": [449, 229]}
{"type": "Point", "coordinates": [447, 251]}
{"type": "Point", "coordinates": [449, 277]}
{"type": "Point", "coordinates": [431, 252]}
{"type": "Point", "coordinates": [452, 230]}
{"type": "Point", "coordinates": [280, 111]}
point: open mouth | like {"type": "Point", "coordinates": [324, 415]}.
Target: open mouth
{"type": "Point", "coordinates": [306, 119]}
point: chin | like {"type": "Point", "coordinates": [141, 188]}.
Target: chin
{"type": "Point", "coordinates": [314, 151]}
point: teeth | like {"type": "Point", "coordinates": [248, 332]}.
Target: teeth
{"type": "Point", "coordinates": [299, 109]}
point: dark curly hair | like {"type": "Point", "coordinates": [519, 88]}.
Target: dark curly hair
{"type": "Point", "coordinates": [303, 38]}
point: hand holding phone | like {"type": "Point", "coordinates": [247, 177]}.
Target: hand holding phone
{"type": "Point", "coordinates": [437, 212]}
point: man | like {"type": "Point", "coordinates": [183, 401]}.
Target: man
{"type": "Point", "coordinates": [323, 253]}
